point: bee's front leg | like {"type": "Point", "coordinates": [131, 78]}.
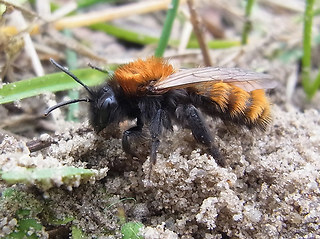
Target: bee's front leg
{"type": "Point", "coordinates": [132, 137]}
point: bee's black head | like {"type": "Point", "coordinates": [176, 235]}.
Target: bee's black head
{"type": "Point", "coordinates": [103, 103]}
{"type": "Point", "coordinates": [103, 108]}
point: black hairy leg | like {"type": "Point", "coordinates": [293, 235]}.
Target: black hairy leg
{"type": "Point", "coordinates": [159, 121]}
{"type": "Point", "coordinates": [131, 137]}
{"type": "Point", "coordinates": [190, 117]}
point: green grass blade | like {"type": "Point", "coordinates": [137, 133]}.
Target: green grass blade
{"type": "Point", "coordinates": [124, 34]}
{"type": "Point", "coordinates": [46, 178]}
{"type": "Point", "coordinates": [247, 24]}
{"type": "Point", "coordinates": [143, 39]}
{"type": "Point", "coordinates": [306, 58]}
{"type": "Point", "coordinates": [166, 31]}
{"type": "Point", "coordinates": [88, 3]}
{"type": "Point", "coordinates": [215, 44]}
{"type": "Point", "coordinates": [49, 83]}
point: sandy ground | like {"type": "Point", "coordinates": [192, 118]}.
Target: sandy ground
{"type": "Point", "coordinates": [269, 188]}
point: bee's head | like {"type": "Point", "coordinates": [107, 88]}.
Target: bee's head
{"type": "Point", "coordinates": [103, 103]}
{"type": "Point", "coordinates": [103, 108]}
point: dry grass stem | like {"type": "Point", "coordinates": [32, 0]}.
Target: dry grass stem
{"type": "Point", "coordinates": [63, 11]}
{"type": "Point", "coordinates": [29, 47]}
{"type": "Point", "coordinates": [195, 22]}
{"type": "Point", "coordinates": [294, 6]}
{"type": "Point", "coordinates": [111, 14]}
{"type": "Point", "coordinates": [185, 36]}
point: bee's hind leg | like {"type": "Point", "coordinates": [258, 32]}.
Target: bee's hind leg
{"type": "Point", "coordinates": [191, 118]}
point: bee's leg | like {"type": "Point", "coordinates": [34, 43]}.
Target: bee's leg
{"type": "Point", "coordinates": [155, 131]}
{"type": "Point", "coordinates": [130, 135]}
{"type": "Point", "coordinates": [159, 121]}
{"type": "Point", "coordinates": [192, 118]}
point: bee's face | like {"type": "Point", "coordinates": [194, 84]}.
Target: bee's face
{"type": "Point", "coordinates": [103, 108]}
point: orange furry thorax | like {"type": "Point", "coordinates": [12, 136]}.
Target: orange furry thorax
{"type": "Point", "coordinates": [135, 76]}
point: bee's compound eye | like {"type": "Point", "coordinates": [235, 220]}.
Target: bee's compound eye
{"type": "Point", "coordinates": [106, 99]}
{"type": "Point", "coordinates": [108, 102]}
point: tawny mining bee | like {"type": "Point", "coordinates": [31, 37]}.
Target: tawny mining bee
{"type": "Point", "coordinates": [157, 96]}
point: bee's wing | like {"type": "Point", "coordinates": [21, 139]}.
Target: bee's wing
{"type": "Point", "coordinates": [246, 80]}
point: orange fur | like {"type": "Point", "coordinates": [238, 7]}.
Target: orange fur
{"type": "Point", "coordinates": [251, 107]}
{"type": "Point", "coordinates": [220, 94]}
{"type": "Point", "coordinates": [135, 76]}
{"type": "Point", "coordinates": [259, 108]}
{"type": "Point", "coordinates": [265, 117]}
{"type": "Point", "coordinates": [238, 101]}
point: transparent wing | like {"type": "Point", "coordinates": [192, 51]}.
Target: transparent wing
{"type": "Point", "coordinates": [246, 80]}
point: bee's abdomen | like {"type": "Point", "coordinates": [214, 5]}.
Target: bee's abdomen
{"type": "Point", "coordinates": [239, 106]}
{"type": "Point", "coordinates": [258, 112]}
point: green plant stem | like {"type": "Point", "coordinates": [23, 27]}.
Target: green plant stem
{"type": "Point", "coordinates": [310, 87]}
{"type": "Point", "coordinates": [166, 31]}
{"type": "Point", "coordinates": [247, 25]}
{"type": "Point", "coordinates": [306, 58]}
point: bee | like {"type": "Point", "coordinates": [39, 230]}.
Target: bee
{"type": "Point", "coordinates": [157, 96]}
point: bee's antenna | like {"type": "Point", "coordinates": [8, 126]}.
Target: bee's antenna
{"type": "Point", "coordinates": [99, 69]}
{"type": "Point", "coordinates": [71, 75]}
{"type": "Point", "coordinates": [49, 110]}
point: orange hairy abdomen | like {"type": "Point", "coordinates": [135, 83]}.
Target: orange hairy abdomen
{"type": "Point", "coordinates": [251, 108]}
{"type": "Point", "coordinates": [135, 76]}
